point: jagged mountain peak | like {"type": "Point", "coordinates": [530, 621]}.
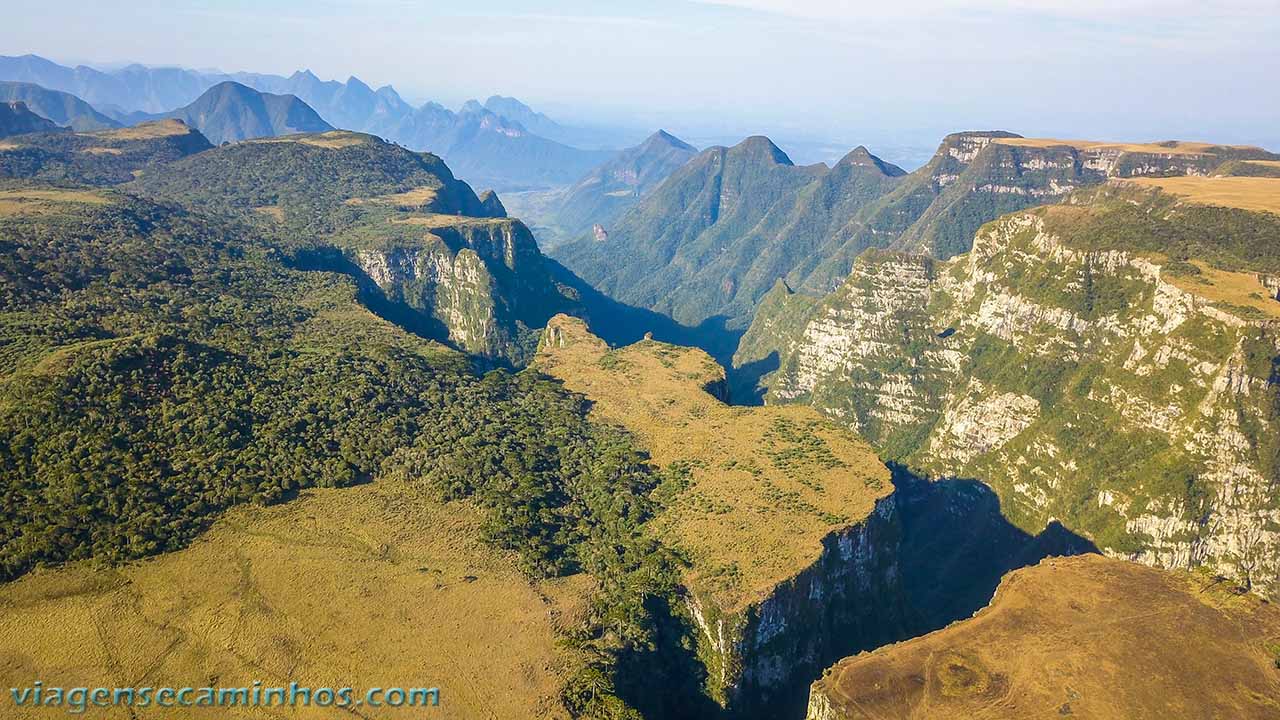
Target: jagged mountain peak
{"type": "Point", "coordinates": [664, 138]}
{"type": "Point", "coordinates": [355, 83]}
{"type": "Point", "coordinates": [862, 157]}
{"type": "Point", "coordinates": [759, 146]}
{"type": "Point", "coordinates": [230, 87]}
{"type": "Point", "coordinates": [506, 101]}
{"type": "Point", "coordinates": [492, 204]}
{"type": "Point", "coordinates": [231, 111]}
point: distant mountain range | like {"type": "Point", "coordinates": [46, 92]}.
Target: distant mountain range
{"type": "Point", "coordinates": [614, 187]}
{"type": "Point", "coordinates": [62, 108]}
{"type": "Point", "coordinates": [488, 144]}
{"type": "Point", "coordinates": [17, 119]}
{"type": "Point", "coordinates": [128, 89]}
{"type": "Point", "coordinates": [230, 112]}
{"type": "Point", "coordinates": [716, 235]}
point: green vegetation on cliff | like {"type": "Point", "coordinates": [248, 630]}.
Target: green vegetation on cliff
{"type": "Point", "coordinates": [715, 235]}
{"type": "Point", "coordinates": [425, 249]}
{"type": "Point", "coordinates": [1109, 363]}
{"type": "Point", "coordinates": [710, 241]}
{"type": "Point", "coordinates": [160, 367]}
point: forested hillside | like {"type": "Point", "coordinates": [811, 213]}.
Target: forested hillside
{"type": "Point", "coordinates": [159, 365]}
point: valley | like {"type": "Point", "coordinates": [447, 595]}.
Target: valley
{"type": "Point", "coordinates": [299, 382]}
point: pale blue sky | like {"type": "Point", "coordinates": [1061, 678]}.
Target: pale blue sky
{"type": "Point", "coordinates": [887, 71]}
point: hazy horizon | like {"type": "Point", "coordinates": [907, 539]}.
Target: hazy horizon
{"type": "Point", "coordinates": [834, 73]}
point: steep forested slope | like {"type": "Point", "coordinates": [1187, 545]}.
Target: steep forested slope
{"type": "Point", "coordinates": [158, 367]}
{"type": "Point", "coordinates": [426, 250]}
{"type": "Point", "coordinates": [606, 192]}
{"type": "Point", "coordinates": [715, 236]}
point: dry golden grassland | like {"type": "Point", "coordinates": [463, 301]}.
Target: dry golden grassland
{"type": "Point", "coordinates": [438, 220]}
{"type": "Point", "coordinates": [766, 483]}
{"type": "Point", "coordinates": [145, 131]}
{"type": "Point", "coordinates": [333, 140]}
{"type": "Point", "coordinates": [377, 585]}
{"type": "Point", "coordinates": [1241, 289]}
{"type": "Point", "coordinates": [1086, 637]}
{"type": "Point", "coordinates": [417, 197]}
{"type": "Point", "coordinates": [1174, 148]}
{"type": "Point", "coordinates": [1259, 194]}
{"type": "Point", "coordinates": [275, 212]}
{"type": "Point", "coordinates": [45, 201]}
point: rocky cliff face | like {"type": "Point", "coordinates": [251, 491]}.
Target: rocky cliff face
{"type": "Point", "coordinates": [482, 284]}
{"type": "Point", "coordinates": [1083, 376]}
{"type": "Point", "coordinates": [789, 524]}
{"type": "Point", "coordinates": [849, 600]}
{"type": "Point", "coordinates": [976, 177]}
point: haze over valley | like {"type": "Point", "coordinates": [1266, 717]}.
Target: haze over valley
{"type": "Point", "coordinates": [726, 360]}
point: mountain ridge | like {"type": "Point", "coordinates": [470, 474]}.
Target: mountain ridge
{"type": "Point", "coordinates": [17, 119]}
{"type": "Point", "coordinates": [487, 148]}
{"type": "Point", "coordinates": [231, 112]}
{"type": "Point", "coordinates": [709, 240]}
{"type": "Point", "coordinates": [62, 108]}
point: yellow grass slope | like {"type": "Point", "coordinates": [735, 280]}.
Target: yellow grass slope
{"type": "Point", "coordinates": [46, 201]}
{"type": "Point", "coordinates": [370, 586]}
{"type": "Point", "coordinates": [765, 484]}
{"type": "Point", "coordinates": [1232, 289]}
{"type": "Point", "coordinates": [1085, 637]}
{"type": "Point", "coordinates": [1171, 147]}
{"type": "Point", "coordinates": [331, 140]}
{"type": "Point", "coordinates": [145, 131]}
{"type": "Point", "coordinates": [1259, 194]}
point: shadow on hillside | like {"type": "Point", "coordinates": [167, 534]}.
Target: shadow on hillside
{"type": "Point", "coordinates": [371, 296]}
{"type": "Point", "coordinates": [620, 324]}
{"type": "Point", "coordinates": [744, 381]}
{"type": "Point", "coordinates": [667, 680]}
{"type": "Point", "coordinates": [957, 545]}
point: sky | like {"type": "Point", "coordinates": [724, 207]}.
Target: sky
{"type": "Point", "coordinates": [893, 71]}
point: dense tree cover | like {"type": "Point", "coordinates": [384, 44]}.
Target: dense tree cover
{"type": "Point", "coordinates": [159, 366]}
{"type": "Point", "coordinates": [99, 158]}
{"type": "Point", "coordinates": [320, 200]}
{"type": "Point", "coordinates": [310, 183]}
